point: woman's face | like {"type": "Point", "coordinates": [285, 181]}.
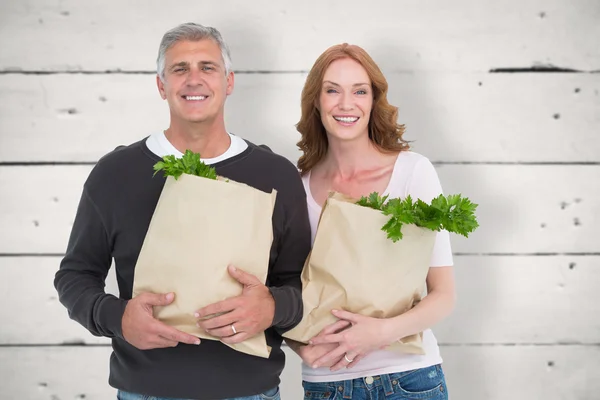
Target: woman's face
{"type": "Point", "coordinates": [346, 100]}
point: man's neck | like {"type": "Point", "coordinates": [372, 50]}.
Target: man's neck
{"type": "Point", "coordinates": [209, 141]}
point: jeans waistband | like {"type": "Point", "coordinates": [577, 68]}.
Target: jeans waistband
{"type": "Point", "coordinates": [379, 380]}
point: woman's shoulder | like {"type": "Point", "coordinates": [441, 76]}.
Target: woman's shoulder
{"type": "Point", "coordinates": [410, 167]}
{"type": "Point", "coordinates": [305, 180]}
{"type": "Point", "coordinates": [409, 159]}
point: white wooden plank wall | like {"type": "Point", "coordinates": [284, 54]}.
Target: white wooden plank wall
{"type": "Point", "coordinates": [503, 96]}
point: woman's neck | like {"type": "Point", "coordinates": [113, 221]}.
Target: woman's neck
{"type": "Point", "coordinates": [346, 159]}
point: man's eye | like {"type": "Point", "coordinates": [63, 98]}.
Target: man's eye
{"type": "Point", "coordinates": [207, 68]}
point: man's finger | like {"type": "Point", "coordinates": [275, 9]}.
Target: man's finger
{"type": "Point", "coordinates": [162, 342]}
{"type": "Point", "coordinates": [220, 321]}
{"type": "Point", "coordinates": [242, 277]}
{"type": "Point", "coordinates": [175, 335]}
{"type": "Point", "coordinates": [225, 331]}
{"type": "Point", "coordinates": [235, 339]}
{"type": "Point", "coordinates": [220, 307]}
{"type": "Point", "coordinates": [155, 299]}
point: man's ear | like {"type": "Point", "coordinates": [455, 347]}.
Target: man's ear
{"type": "Point", "coordinates": [230, 83]}
{"type": "Point", "coordinates": [161, 87]}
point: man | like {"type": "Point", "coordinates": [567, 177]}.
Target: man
{"type": "Point", "coordinates": [150, 358]}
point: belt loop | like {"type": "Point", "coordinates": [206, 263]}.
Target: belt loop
{"type": "Point", "coordinates": [348, 384]}
{"type": "Point", "coordinates": [387, 384]}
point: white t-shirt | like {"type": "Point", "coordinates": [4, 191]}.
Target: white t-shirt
{"type": "Point", "coordinates": [413, 175]}
{"type": "Point", "coordinates": [160, 145]}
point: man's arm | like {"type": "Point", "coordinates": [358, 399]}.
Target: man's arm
{"type": "Point", "coordinates": [81, 278]}
{"type": "Point", "coordinates": [80, 284]}
{"type": "Point", "coordinates": [284, 280]}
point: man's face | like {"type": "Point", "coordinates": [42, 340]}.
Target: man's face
{"type": "Point", "coordinates": [195, 84]}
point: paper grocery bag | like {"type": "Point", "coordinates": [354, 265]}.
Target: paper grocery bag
{"type": "Point", "coordinates": [353, 266]}
{"type": "Point", "coordinates": [199, 227]}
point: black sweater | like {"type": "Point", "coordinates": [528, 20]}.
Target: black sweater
{"type": "Point", "coordinates": [118, 200]}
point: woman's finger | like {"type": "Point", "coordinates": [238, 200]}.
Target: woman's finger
{"type": "Point", "coordinates": [335, 327]}
{"type": "Point", "coordinates": [333, 338]}
{"type": "Point", "coordinates": [331, 356]}
{"type": "Point", "coordinates": [356, 360]}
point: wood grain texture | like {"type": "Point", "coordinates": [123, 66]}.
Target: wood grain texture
{"type": "Point", "coordinates": [76, 80]}
{"type": "Point", "coordinates": [472, 373]}
{"type": "Point", "coordinates": [449, 117]}
{"type": "Point", "coordinates": [431, 35]}
{"type": "Point", "coordinates": [501, 300]}
{"type": "Point", "coordinates": [557, 214]}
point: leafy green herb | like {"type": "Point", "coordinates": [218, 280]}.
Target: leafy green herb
{"type": "Point", "coordinates": [374, 201]}
{"type": "Point", "coordinates": [453, 213]}
{"type": "Point", "coordinates": [188, 164]}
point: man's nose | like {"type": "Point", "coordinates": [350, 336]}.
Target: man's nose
{"type": "Point", "coordinates": [194, 77]}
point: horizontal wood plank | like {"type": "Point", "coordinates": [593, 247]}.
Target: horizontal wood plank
{"type": "Point", "coordinates": [522, 209]}
{"type": "Point", "coordinates": [472, 373]}
{"type": "Point", "coordinates": [448, 117]}
{"type": "Point", "coordinates": [501, 300]}
{"type": "Point", "coordinates": [289, 35]}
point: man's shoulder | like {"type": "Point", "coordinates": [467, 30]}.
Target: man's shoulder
{"type": "Point", "coordinates": [120, 162]}
{"type": "Point", "coordinates": [265, 155]}
{"type": "Point", "coordinates": [122, 153]}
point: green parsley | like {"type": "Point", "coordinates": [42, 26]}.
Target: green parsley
{"type": "Point", "coordinates": [452, 213]}
{"type": "Point", "coordinates": [188, 164]}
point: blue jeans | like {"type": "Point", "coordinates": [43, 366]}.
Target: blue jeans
{"type": "Point", "coordinates": [272, 394]}
{"type": "Point", "coordinates": [424, 383]}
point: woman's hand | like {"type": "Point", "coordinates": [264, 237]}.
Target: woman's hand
{"type": "Point", "coordinates": [368, 334]}
{"type": "Point", "coordinates": [313, 352]}
{"type": "Point", "coordinates": [365, 335]}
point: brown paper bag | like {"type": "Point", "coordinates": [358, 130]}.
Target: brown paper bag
{"type": "Point", "coordinates": [199, 227]}
{"type": "Point", "coordinates": [353, 266]}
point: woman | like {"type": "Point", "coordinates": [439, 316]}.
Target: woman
{"type": "Point", "coordinates": [352, 144]}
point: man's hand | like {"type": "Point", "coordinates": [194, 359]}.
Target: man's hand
{"type": "Point", "coordinates": [239, 318]}
{"type": "Point", "coordinates": [142, 330]}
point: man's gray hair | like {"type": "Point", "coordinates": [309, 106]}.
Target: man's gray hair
{"type": "Point", "coordinates": [192, 32]}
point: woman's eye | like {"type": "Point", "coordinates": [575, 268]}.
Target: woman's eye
{"type": "Point", "coordinates": [361, 92]}
{"type": "Point", "coordinates": [331, 91]}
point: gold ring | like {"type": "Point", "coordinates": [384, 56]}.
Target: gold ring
{"type": "Point", "coordinates": [233, 329]}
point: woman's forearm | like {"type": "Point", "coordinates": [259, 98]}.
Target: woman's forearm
{"type": "Point", "coordinates": [434, 307]}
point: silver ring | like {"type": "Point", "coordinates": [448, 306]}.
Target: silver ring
{"type": "Point", "coordinates": [347, 359]}
{"type": "Point", "coordinates": [233, 329]}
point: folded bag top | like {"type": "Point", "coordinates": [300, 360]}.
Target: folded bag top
{"type": "Point", "coordinates": [199, 227]}
{"type": "Point", "coordinates": [353, 266]}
